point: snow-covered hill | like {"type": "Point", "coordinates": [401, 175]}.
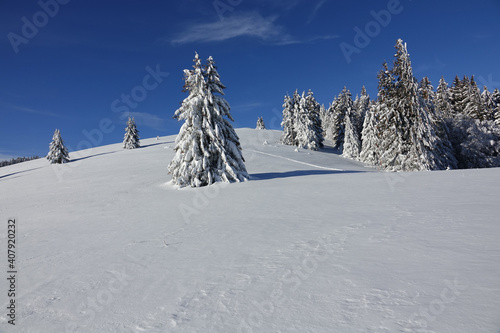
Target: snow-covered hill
{"type": "Point", "coordinates": [313, 243]}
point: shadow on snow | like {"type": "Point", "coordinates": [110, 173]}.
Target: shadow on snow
{"type": "Point", "coordinates": [297, 173]}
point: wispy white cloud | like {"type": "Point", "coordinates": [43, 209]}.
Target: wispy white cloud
{"type": "Point", "coordinates": [315, 10]}
{"type": "Point", "coordinates": [32, 111]}
{"type": "Point", "coordinates": [250, 24]}
{"type": "Point", "coordinates": [145, 119]}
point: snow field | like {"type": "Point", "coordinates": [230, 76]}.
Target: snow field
{"type": "Point", "coordinates": [312, 243]}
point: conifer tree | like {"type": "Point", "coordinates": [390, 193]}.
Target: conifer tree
{"type": "Point", "coordinates": [409, 141]}
{"type": "Point", "coordinates": [496, 100]}
{"type": "Point", "coordinates": [489, 104]}
{"type": "Point", "coordinates": [361, 107]}
{"type": "Point", "coordinates": [207, 149]}
{"type": "Point", "coordinates": [443, 100]}
{"type": "Point", "coordinates": [352, 143]}
{"type": "Point", "coordinates": [370, 136]}
{"type": "Point", "coordinates": [260, 123]}
{"type": "Point", "coordinates": [343, 106]}
{"type": "Point", "coordinates": [131, 138]}
{"type": "Point", "coordinates": [314, 109]}
{"type": "Point", "coordinates": [474, 107]}
{"type": "Point", "coordinates": [58, 153]}
{"type": "Point", "coordinates": [327, 122]}
{"type": "Point", "coordinates": [459, 92]}
{"type": "Point", "coordinates": [307, 135]}
{"type": "Point", "coordinates": [289, 136]}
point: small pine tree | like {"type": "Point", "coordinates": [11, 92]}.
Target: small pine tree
{"type": "Point", "coordinates": [260, 123]}
{"type": "Point", "coordinates": [131, 138]}
{"type": "Point", "coordinates": [58, 153]}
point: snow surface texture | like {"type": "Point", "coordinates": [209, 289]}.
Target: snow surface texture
{"type": "Point", "coordinates": [313, 243]}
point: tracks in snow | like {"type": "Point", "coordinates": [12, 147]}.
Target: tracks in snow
{"type": "Point", "coordinates": [292, 160]}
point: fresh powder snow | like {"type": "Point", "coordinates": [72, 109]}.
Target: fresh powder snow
{"type": "Point", "coordinates": [313, 242]}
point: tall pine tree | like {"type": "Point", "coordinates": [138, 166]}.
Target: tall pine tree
{"type": "Point", "coordinates": [207, 149]}
{"type": "Point", "coordinates": [409, 141]}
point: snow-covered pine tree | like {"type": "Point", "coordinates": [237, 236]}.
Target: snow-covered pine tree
{"type": "Point", "coordinates": [327, 121]}
{"type": "Point", "coordinates": [426, 92]}
{"type": "Point", "coordinates": [459, 92]}
{"type": "Point", "coordinates": [442, 100]}
{"type": "Point", "coordinates": [496, 100]}
{"type": "Point", "coordinates": [370, 136]}
{"type": "Point", "coordinates": [131, 138]}
{"type": "Point", "coordinates": [352, 143]}
{"type": "Point", "coordinates": [342, 107]}
{"type": "Point", "coordinates": [58, 153]}
{"type": "Point", "coordinates": [260, 123]}
{"type": "Point", "coordinates": [314, 109]}
{"type": "Point", "coordinates": [409, 141]}
{"type": "Point", "coordinates": [361, 107]}
{"type": "Point", "coordinates": [489, 104]}
{"type": "Point", "coordinates": [474, 107]}
{"type": "Point", "coordinates": [289, 137]}
{"type": "Point", "coordinates": [305, 127]}
{"type": "Point", "coordinates": [207, 149]}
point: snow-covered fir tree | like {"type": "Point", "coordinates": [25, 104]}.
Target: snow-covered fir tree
{"type": "Point", "coordinates": [343, 105]}
{"type": "Point", "coordinates": [474, 106]}
{"type": "Point", "coordinates": [459, 91]}
{"type": "Point", "coordinates": [58, 153]}
{"type": "Point", "coordinates": [370, 135]}
{"type": "Point", "coordinates": [489, 104]}
{"type": "Point", "coordinates": [426, 92]}
{"type": "Point", "coordinates": [496, 111]}
{"type": "Point", "coordinates": [207, 149]}
{"type": "Point", "coordinates": [327, 121]}
{"type": "Point", "coordinates": [308, 134]}
{"type": "Point", "coordinates": [289, 136]}
{"type": "Point", "coordinates": [361, 107]}
{"type": "Point", "coordinates": [352, 143]}
{"type": "Point", "coordinates": [260, 123]}
{"type": "Point", "coordinates": [409, 141]}
{"type": "Point", "coordinates": [442, 100]}
{"type": "Point", "coordinates": [131, 138]}
{"type": "Point", "coordinates": [314, 110]}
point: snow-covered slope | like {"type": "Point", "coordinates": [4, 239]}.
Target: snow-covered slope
{"type": "Point", "coordinates": [314, 243]}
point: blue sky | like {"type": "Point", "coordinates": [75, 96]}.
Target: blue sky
{"type": "Point", "coordinates": [71, 65]}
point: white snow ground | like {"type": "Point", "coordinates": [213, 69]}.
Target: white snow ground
{"type": "Point", "coordinates": [314, 243]}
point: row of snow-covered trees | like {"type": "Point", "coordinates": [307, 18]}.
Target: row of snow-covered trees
{"type": "Point", "coordinates": [411, 126]}
{"type": "Point", "coordinates": [16, 160]}
{"type": "Point", "coordinates": [302, 122]}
